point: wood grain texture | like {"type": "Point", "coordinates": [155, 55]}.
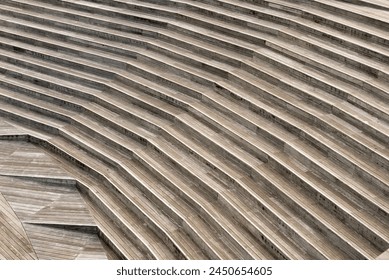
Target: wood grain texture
{"type": "Point", "coordinates": [42, 214]}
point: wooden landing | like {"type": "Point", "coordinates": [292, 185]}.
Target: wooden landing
{"type": "Point", "coordinates": [53, 243]}
{"type": "Point", "coordinates": [14, 242]}
{"type": "Point", "coordinates": [45, 203]}
{"type": "Point", "coordinates": [7, 129]}
{"type": "Point", "coordinates": [42, 214]}
{"type": "Point", "coordinates": [22, 159]}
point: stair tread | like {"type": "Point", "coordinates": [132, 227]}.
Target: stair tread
{"type": "Point", "coordinates": [156, 126]}
{"type": "Point", "coordinates": [167, 173]}
{"type": "Point", "coordinates": [332, 224]}
{"type": "Point", "coordinates": [104, 195]}
{"type": "Point", "coordinates": [335, 65]}
{"type": "Point", "coordinates": [371, 12]}
{"type": "Point", "coordinates": [44, 77]}
{"type": "Point", "coordinates": [280, 94]}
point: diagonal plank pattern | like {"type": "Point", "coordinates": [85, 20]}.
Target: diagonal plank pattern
{"type": "Point", "coordinates": [210, 129]}
{"type": "Point", "coordinates": [42, 214]}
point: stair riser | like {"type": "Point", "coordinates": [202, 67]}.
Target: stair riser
{"type": "Point", "coordinates": [328, 22]}
{"type": "Point", "coordinates": [337, 92]}
{"type": "Point", "coordinates": [134, 99]}
{"type": "Point", "coordinates": [67, 27]}
{"type": "Point", "coordinates": [223, 16]}
{"type": "Point", "coordinates": [195, 94]}
{"type": "Point", "coordinates": [170, 15]}
{"type": "Point", "coordinates": [116, 192]}
{"type": "Point", "coordinates": [240, 218]}
{"type": "Point", "coordinates": [308, 29]}
{"type": "Point", "coordinates": [277, 7]}
{"type": "Point", "coordinates": [250, 53]}
{"type": "Point", "coordinates": [203, 244]}
{"type": "Point", "coordinates": [91, 196]}
{"type": "Point", "coordinates": [96, 200]}
{"type": "Point", "coordinates": [264, 211]}
{"type": "Point", "coordinates": [112, 37]}
{"type": "Point", "coordinates": [214, 41]}
{"type": "Point", "coordinates": [316, 142]}
{"type": "Point", "coordinates": [128, 202]}
{"type": "Point", "coordinates": [173, 70]}
{"type": "Point", "coordinates": [40, 110]}
{"type": "Point", "coordinates": [60, 61]}
{"type": "Point", "coordinates": [155, 47]}
{"type": "Point", "coordinates": [14, 137]}
{"type": "Point", "coordinates": [189, 200]}
{"type": "Point", "coordinates": [202, 50]}
{"type": "Point", "coordinates": [330, 88]}
{"type": "Point", "coordinates": [187, 99]}
{"type": "Point", "coordinates": [226, 31]}
{"type": "Point", "coordinates": [369, 176]}
{"type": "Point", "coordinates": [305, 214]}
{"type": "Point", "coordinates": [334, 206]}
{"type": "Point", "coordinates": [294, 178]}
{"type": "Point", "coordinates": [352, 167]}
{"type": "Point", "coordinates": [112, 124]}
{"type": "Point", "coordinates": [123, 114]}
{"type": "Point", "coordinates": [91, 19]}
{"type": "Point", "coordinates": [259, 236]}
{"type": "Point", "coordinates": [27, 122]}
{"type": "Point", "coordinates": [342, 186]}
{"type": "Point", "coordinates": [229, 179]}
{"type": "Point", "coordinates": [204, 191]}
{"type": "Point", "coordinates": [339, 73]}
{"type": "Point", "coordinates": [192, 131]}
{"type": "Point", "coordinates": [201, 65]}
{"type": "Point", "coordinates": [239, 164]}
{"type": "Point", "coordinates": [120, 64]}
{"type": "Point", "coordinates": [171, 212]}
{"type": "Point", "coordinates": [305, 95]}
{"type": "Point", "coordinates": [244, 121]}
{"type": "Point", "coordinates": [47, 84]}
{"type": "Point", "coordinates": [256, 71]}
{"type": "Point", "coordinates": [331, 206]}
{"type": "Point", "coordinates": [120, 255]}
{"type": "Point", "coordinates": [153, 93]}
{"type": "Point", "coordinates": [361, 50]}
{"type": "Point", "coordinates": [40, 96]}
{"type": "Point", "coordinates": [112, 164]}
{"type": "Point", "coordinates": [353, 15]}
{"type": "Point", "coordinates": [126, 7]}
{"type": "Point", "coordinates": [381, 136]}
{"type": "Point", "coordinates": [61, 37]}
{"type": "Point", "coordinates": [164, 235]}
{"type": "Point", "coordinates": [53, 72]}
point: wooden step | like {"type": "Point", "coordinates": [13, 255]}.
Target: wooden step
{"type": "Point", "coordinates": [92, 165]}
{"type": "Point", "coordinates": [230, 141]}
{"type": "Point", "coordinates": [223, 257]}
{"type": "Point", "coordinates": [207, 159]}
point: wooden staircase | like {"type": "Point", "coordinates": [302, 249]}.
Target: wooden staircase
{"type": "Point", "coordinates": [211, 129]}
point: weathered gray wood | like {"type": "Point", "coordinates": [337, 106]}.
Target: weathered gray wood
{"type": "Point", "coordinates": [200, 129]}
{"type": "Point", "coordinates": [36, 193]}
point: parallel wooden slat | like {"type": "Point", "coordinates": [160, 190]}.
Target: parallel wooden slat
{"type": "Point", "coordinates": [14, 242]}
{"type": "Point", "coordinates": [221, 129]}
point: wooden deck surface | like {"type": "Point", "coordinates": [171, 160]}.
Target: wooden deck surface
{"type": "Point", "coordinates": [42, 214]}
{"type": "Point", "coordinates": [14, 243]}
{"type": "Point", "coordinates": [8, 129]}
{"type": "Point", "coordinates": [53, 243]}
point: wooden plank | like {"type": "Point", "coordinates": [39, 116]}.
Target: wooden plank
{"type": "Point", "coordinates": [14, 243]}
{"type": "Point", "coordinates": [53, 243]}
